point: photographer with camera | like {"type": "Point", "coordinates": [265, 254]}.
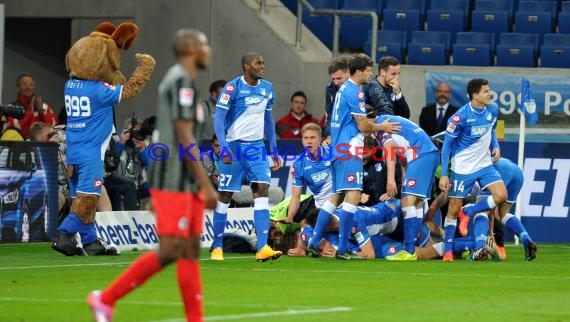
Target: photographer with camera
{"type": "Point", "coordinates": [35, 108]}
{"type": "Point", "coordinates": [125, 165]}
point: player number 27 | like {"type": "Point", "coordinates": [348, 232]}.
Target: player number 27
{"type": "Point", "coordinates": [458, 186]}
{"type": "Point", "coordinates": [77, 106]}
{"type": "Point", "coordinates": [225, 180]}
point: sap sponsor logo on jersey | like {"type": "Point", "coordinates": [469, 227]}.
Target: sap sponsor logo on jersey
{"type": "Point", "coordinates": [128, 234]}
{"type": "Point", "coordinates": [545, 190]}
{"type": "Point", "coordinates": [252, 100]}
{"type": "Point", "coordinates": [478, 130]}
{"type": "Point", "coordinates": [320, 176]}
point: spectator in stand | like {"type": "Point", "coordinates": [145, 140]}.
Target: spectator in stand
{"type": "Point", "coordinates": [36, 109]}
{"type": "Point", "coordinates": [126, 178]}
{"type": "Point", "coordinates": [339, 73]}
{"type": "Point", "coordinates": [209, 109]}
{"type": "Point", "coordinates": [290, 125]}
{"type": "Point", "coordinates": [384, 92]}
{"type": "Point", "coordinates": [10, 132]}
{"type": "Point", "coordinates": [434, 117]}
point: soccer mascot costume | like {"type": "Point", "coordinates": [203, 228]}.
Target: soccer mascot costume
{"type": "Point", "coordinates": [95, 85]}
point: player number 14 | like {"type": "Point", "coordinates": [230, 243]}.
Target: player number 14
{"type": "Point", "coordinates": [458, 186]}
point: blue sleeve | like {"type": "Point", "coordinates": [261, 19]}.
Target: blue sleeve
{"type": "Point", "coordinates": [145, 158]}
{"type": "Point", "coordinates": [119, 147]}
{"type": "Point", "coordinates": [494, 142]}
{"type": "Point", "coordinates": [220, 125]}
{"type": "Point", "coordinates": [446, 153]}
{"type": "Point", "coordinates": [270, 130]}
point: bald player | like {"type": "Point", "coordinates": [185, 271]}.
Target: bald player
{"type": "Point", "coordinates": [180, 190]}
{"type": "Point", "coordinates": [243, 117]}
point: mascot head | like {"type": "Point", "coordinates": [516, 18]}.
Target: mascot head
{"type": "Point", "coordinates": [97, 56]}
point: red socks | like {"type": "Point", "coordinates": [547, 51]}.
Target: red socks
{"type": "Point", "coordinates": [191, 288]}
{"type": "Point", "coordinates": [134, 276]}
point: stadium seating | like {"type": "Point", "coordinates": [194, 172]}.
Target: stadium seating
{"type": "Point", "coordinates": [406, 5]}
{"type": "Point", "coordinates": [497, 5]}
{"type": "Point", "coordinates": [400, 19]}
{"type": "Point", "coordinates": [517, 50]}
{"type": "Point", "coordinates": [474, 49]}
{"type": "Point", "coordinates": [446, 20]}
{"type": "Point", "coordinates": [321, 26]}
{"type": "Point", "coordinates": [429, 48]}
{"type": "Point", "coordinates": [555, 52]}
{"type": "Point", "coordinates": [564, 18]}
{"type": "Point", "coordinates": [534, 22]}
{"type": "Point", "coordinates": [353, 29]}
{"type": "Point", "coordinates": [496, 22]}
{"type": "Point", "coordinates": [389, 43]}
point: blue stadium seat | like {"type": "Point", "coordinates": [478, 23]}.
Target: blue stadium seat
{"type": "Point", "coordinates": [429, 48]}
{"type": "Point", "coordinates": [448, 5]}
{"type": "Point", "coordinates": [389, 43]}
{"type": "Point", "coordinates": [565, 7]}
{"type": "Point", "coordinates": [321, 26]}
{"type": "Point", "coordinates": [419, 5]}
{"type": "Point", "coordinates": [517, 50]}
{"type": "Point", "coordinates": [446, 20]}
{"type": "Point", "coordinates": [555, 52]}
{"type": "Point", "coordinates": [352, 28]}
{"type": "Point", "coordinates": [496, 22]}
{"type": "Point", "coordinates": [564, 22]}
{"type": "Point", "coordinates": [538, 6]}
{"type": "Point", "coordinates": [398, 19]}
{"type": "Point", "coordinates": [478, 45]}
{"type": "Point", "coordinates": [497, 5]}
{"type": "Point", "coordinates": [534, 22]}
{"type": "Point", "coordinates": [474, 49]}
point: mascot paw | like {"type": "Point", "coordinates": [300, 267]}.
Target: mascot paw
{"type": "Point", "coordinates": [100, 248]}
{"type": "Point", "coordinates": [145, 59]}
{"type": "Point", "coordinates": [67, 245]}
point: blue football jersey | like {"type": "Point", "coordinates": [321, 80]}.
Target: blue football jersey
{"type": "Point", "coordinates": [411, 137]}
{"type": "Point", "coordinates": [349, 101]}
{"type": "Point", "coordinates": [246, 107]}
{"type": "Point", "coordinates": [379, 219]}
{"type": "Point", "coordinates": [510, 172]}
{"type": "Point", "coordinates": [314, 174]}
{"type": "Point", "coordinates": [472, 130]}
{"type": "Point", "coordinates": [89, 107]}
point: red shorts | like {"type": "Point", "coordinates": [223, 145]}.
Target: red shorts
{"type": "Point", "coordinates": [178, 214]}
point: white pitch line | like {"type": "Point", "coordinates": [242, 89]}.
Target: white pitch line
{"type": "Point", "coordinates": [163, 303]}
{"type": "Point", "coordinates": [95, 264]}
{"type": "Point", "coordinates": [376, 272]}
{"type": "Point", "coordinates": [265, 314]}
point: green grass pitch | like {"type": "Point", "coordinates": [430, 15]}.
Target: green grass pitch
{"type": "Point", "coordinates": [37, 284]}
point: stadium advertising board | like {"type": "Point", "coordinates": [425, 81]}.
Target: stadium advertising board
{"type": "Point", "coordinates": [28, 191]}
{"type": "Point", "coordinates": [551, 94]}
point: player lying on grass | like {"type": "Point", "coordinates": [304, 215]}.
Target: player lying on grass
{"type": "Point", "coordinates": [377, 233]}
